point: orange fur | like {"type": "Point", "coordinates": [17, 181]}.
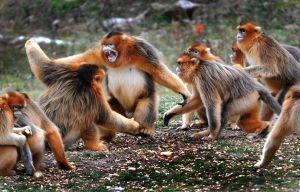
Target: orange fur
{"type": "Point", "coordinates": [204, 52]}
{"type": "Point", "coordinates": [268, 60]}
{"type": "Point", "coordinates": [238, 57]}
{"type": "Point", "coordinates": [287, 122]}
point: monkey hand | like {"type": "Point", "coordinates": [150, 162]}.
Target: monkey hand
{"type": "Point", "coordinates": [24, 131]}
{"type": "Point", "coordinates": [184, 100]}
{"type": "Point", "coordinates": [167, 117]}
{"type": "Point", "coordinates": [27, 131]}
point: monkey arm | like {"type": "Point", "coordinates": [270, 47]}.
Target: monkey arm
{"type": "Point", "coordinates": [91, 56]}
{"type": "Point", "coordinates": [258, 71]}
{"type": "Point", "coordinates": [46, 70]}
{"type": "Point", "coordinates": [12, 139]}
{"type": "Point", "coordinates": [193, 104]}
{"type": "Point", "coordinates": [26, 130]}
{"type": "Point", "coordinates": [161, 74]}
{"type": "Point", "coordinates": [115, 121]}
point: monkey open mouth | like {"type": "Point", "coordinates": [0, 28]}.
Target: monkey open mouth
{"type": "Point", "coordinates": [110, 53]}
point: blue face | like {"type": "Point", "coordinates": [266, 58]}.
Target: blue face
{"type": "Point", "coordinates": [241, 34]}
{"type": "Point", "coordinates": [110, 52]}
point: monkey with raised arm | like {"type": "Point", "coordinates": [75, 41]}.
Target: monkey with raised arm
{"type": "Point", "coordinates": [225, 92]}
{"type": "Point", "coordinates": [133, 66]}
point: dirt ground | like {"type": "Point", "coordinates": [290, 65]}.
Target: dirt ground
{"type": "Point", "coordinates": [171, 161]}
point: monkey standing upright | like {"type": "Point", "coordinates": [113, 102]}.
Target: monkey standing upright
{"type": "Point", "coordinates": [268, 60]}
{"type": "Point", "coordinates": [288, 121]}
{"type": "Point", "coordinates": [225, 92]}
{"type": "Point", "coordinates": [133, 67]}
{"type": "Point", "coordinates": [74, 100]}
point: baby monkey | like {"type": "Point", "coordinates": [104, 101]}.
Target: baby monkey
{"type": "Point", "coordinates": [225, 91]}
{"type": "Point", "coordinates": [12, 140]}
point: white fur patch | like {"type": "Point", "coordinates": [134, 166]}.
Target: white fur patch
{"type": "Point", "coordinates": [242, 105]}
{"type": "Point", "coordinates": [251, 61]}
{"type": "Point", "coordinates": [126, 85]}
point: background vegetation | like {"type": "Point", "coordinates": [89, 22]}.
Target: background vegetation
{"type": "Point", "coordinates": [194, 165]}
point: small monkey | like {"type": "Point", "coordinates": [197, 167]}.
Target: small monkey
{"type": "Point", "coordinates": [287, 122]}
{"type": "Point", "coordinates": [267, 59]}
{"type": "Point", "coordinates": [225, 92]}
{"type": "Point", "coordinates": [42, 129]}
{"type": "Point", "coordinates": [7, 135]}
{"type": "Point", "coordinates": [8, 151]}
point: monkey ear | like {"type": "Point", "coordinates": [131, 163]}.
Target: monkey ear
{"type": "Point", "coordinates": [208, 50]}
{"type": "Point", "coordinates": [25, 95]}
{"type": "Point", "coordinates": [258, 29]}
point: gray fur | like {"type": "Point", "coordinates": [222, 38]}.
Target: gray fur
{"type": "Point", "coordinates": [26, 158]}
{"type": "Point", "coordinates": [146, 50]}
{"type": "Point", "coordinates": [68, 99]}
{"type": "Point", "coordinates": [231, 83]}
{"type": "Point", "coordinates": [286, 65]}
{"type": "Point", "coordinates": [294, 51]}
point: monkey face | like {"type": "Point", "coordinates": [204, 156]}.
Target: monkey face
{"type": "Point", "coordinates": [16, 101]}
{"type": "Point", "coordinates": [114, 47]}
{"type": "Point", "coordinates": [187, 67]}
{"type": "Point", "coordinates": [199, 50]}
{"type": "Point", "coordinates": [247, 31]}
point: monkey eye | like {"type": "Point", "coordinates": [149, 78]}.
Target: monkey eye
{"type": "Point", "coordinates": [109, 45]}
{"type": "Point", "coordinates": [194, 51]}
{"type": "Point", "coordinates": [17, 107]}
{"type": "Point", "coordinates": [241, 30]}
{"type": "Point", "coordinates": [233, 49]}
{"type": "Point", "coordinates": [178, 63]}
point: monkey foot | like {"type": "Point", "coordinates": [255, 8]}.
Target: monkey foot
{"type": "Point", "coordinates": [201, 134]}
{"type": "Point", "coordinates": [183, 128]}
{"type": "Point", "coordinates": [96, 146]}
{"type": "Point", "coordinates": [109, 137]}
{"type": "Point", "coordinates": [210, 138]}
{"type": "Point", "coordinates": [146, 131]}
{"type": "Point", "coordinates": [38, 174]}
{"type": "Point", "coordinates": [233, 126]}
{"type": "Point", "coordinates": [66, 165]}
{"type": "Point", "coordinates": [258, 165]}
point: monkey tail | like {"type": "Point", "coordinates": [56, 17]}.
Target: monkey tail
{"type": "Point", "coordinates": [35, 54]}
{"type": "Point", "coordinates": [37, 59]}
{"type": "Point", "coordinates": [269, 100]}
